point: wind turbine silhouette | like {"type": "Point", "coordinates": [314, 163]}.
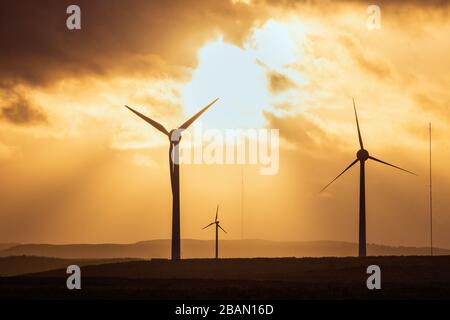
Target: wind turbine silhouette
{"type": "Point", "coordinates": [217, 223]}
{"type": "Point", "coordinates": [174, 166]}
{"type": "Point", "coordinates": [362, 156]}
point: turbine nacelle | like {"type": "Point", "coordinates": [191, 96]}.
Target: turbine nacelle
{"type": "Point", "coordinates": [175, 136]}
{"type": "Point", "coordinates": [362, 155]}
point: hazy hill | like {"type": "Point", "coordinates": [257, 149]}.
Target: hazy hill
{"type": "Point", "coordinates": [205, 249]}
{"type": "Point", "coordinates": [4, 246]}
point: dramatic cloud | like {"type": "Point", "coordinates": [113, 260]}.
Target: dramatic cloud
{"type": "Point", "coordinates": [136, 36]}
{"type": "Point", "coordinates": [84, 162]}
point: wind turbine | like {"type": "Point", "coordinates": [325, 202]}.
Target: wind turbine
{"type": "Point", "coordinates": [217, 223]}
{"type": "Point", "coordinates": [362, 156]}
{"type": "Point", "coordinates": [174, 166]}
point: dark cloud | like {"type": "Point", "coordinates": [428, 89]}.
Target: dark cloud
{"type": "Point", "coordinates": [300, 130]}
{"type": "Point", "coordinates": [279, 82]}
{"type": "Point", "coordinates": [133, 36]}
{"type": "Point", "coordinates": [433, 104]}
{"type": "Point", "coordinates": [369, 63]}
{"type": "Point", "coordinates": [116, 35]}
{"type": "Point", "coordinates": [21, 111]}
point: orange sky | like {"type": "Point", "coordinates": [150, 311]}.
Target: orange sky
{"type": "Point", "coordinates": [76, 166]}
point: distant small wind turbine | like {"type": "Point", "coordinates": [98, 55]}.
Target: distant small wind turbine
{"type": "Point", "coordinates": [217, 223]}
{"type": "Point", "coordinates": [362, 156]}
{"type": "Point", "coordinates": [174, 162]}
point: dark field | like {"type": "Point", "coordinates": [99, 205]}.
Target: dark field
{"type": "Point", "coordinates": [289, 278]}
{"type": "Point", "coordinates": [18, 265]}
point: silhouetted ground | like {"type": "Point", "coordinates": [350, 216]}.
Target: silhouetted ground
{"type": "Point", "coordinates": [17, 265]}
{"type": "Point", "coordinates": [307, 278]}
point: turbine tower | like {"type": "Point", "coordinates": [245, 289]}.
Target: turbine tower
{"type": "Point", "coordinates": [362, 156]}
{"type": "Point", "coordinates": [217, 223]}
{"type": "Point", "coordinates": [174, 166]}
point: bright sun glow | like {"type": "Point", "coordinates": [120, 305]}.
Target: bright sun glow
{"type": "Point", "coordinates": [238, 76]}
{"type": "Point", "coordinates": [233, 75]}
{"type": "Point", "coordinates": [273, 45]}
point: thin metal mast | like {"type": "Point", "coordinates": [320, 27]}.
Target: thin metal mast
{"type": "Point", "coordinates": [431, 199]}
{"type": "Point", "coordinates": [242, 203]}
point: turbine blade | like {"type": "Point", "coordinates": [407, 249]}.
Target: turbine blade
{"type": "Point", "coordinates": [185, 125]}
{"type": "Point", "coordinates": [383, 162]}
{"type": "Point", "coordinates": [357, 124]}
{"type": "Point", "coordinates": [351, 165]}
{"type": "Point", "coordinates": [155, 124]}
{"type": "Point", "coordinates": [222, 229]}
{"type": "Point", "coordinates": [217, 212]}
{"type": "Point", "coordinates": [209, 225]}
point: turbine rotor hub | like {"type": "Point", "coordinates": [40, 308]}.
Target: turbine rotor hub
{"type": "Point", "coordinates": [175, 136]}
{"type": "Point", "coordinates": [362, 155]}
